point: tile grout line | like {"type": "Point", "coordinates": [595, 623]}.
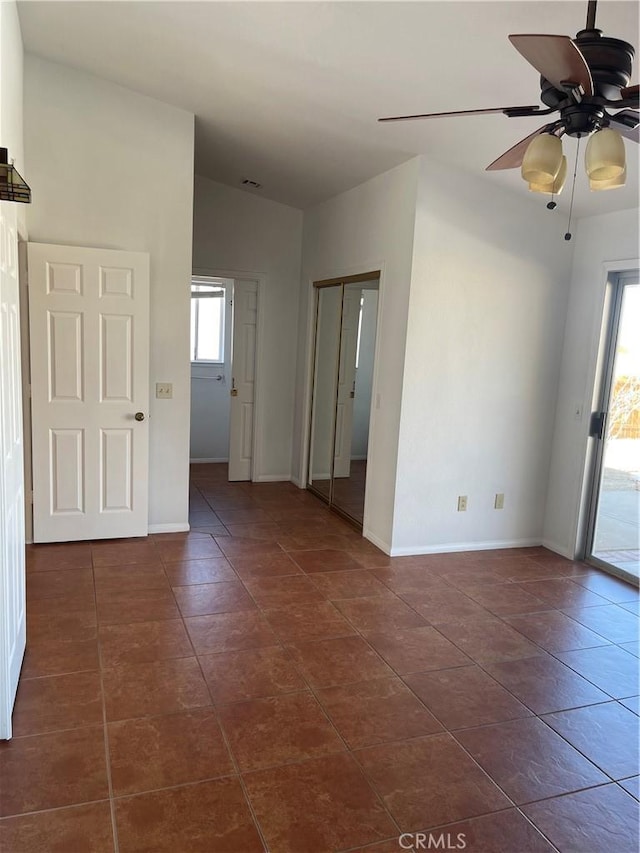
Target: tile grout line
{"type": "Point", "coordinates": [446, 731]}
{"type": "Point", "coordinates": [393, 673]}
{"type": "Point", "coordinates": [105, 730]}
{"type": "Point", "coordinates": [535, 716]}
{"type": "Point", "coordinates": [482, 665]}
{"type": "Point", "coordinates": [223, 734]}
{"type": "Point", "coordinates": [280, 643]}
{"type": "Point", "coordinates": [348, 749]}
{"type": "Point", "coordinates": [486, 774]}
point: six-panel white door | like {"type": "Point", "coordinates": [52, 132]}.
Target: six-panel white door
{"type": "Point", "coordinates": [243, 357]}
{"type": "Point", "coordinates": [12, 577]}
{"type": "Point", "coordinates": [89, 329]}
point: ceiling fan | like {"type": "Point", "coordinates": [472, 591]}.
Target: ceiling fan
{"type": "Point", "coordinates": [585, 80]}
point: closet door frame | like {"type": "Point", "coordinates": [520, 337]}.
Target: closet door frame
{"type": "Point", "coordinates": [318, 286]}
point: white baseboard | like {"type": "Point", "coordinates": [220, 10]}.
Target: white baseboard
{"type": "Point", "coordinates": [180, 527]}
{"type": "Point", "coordinates": [376, 541]}
{"type": "Point", "coordinates": [273, 478]}
{"type": "Point", "coordinates": [562, 550]}
{"type": "Point", "coordinates": [208, 459]}
{"type": "Point", "coordinates": [448, 547]}
{"type": "Point", "coordinates": [298, 482]}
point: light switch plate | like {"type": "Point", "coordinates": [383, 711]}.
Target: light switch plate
{"type": "Point", "coordinates": [164, 390]}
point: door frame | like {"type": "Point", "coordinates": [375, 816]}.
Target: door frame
{"type": "Point", "coordinates": [315, 286]}
{"type": "Point", "coordinates": [603, 381]}
{"type": "Point", "coordinates": [261, 279]}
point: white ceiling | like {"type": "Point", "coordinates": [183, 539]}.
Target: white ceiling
{"type": "Point", "coordinates": [288, 94]}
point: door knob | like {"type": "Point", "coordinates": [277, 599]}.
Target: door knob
{"type": "Point", "coordinates": [139, 416]}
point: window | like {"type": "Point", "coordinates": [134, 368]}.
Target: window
{"type": "Point", "coordinates": [207, 320]}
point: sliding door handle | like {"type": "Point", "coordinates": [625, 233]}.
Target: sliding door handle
{"type": "Point", "coordinates": [597, 424]}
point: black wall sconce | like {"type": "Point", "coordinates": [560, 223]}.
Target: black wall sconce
{"type": "Point", "coordinates": [12, 185]}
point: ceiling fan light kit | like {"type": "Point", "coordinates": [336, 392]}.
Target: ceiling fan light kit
{"type": "Point", "coordinates": [604, 158]}
{"type": "Point", "coordinates": [542, 160]}
{"type": "Point", "coordinates": [610, 184]}
{"type": "Point", "coordinates": [585, 80]}
{"type": "Point", "coordinates": [553, 187]}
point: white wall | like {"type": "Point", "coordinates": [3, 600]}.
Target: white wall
{"type": "Point", "coordinates": [113, 169]}
{"type": "Point", "coordinates": [367, 228]}
{"type": "Point", "coordinates": [236, 231]}
{"type": "Point", "coordinates": [11, 92]}
{"type": "Point", "coordinates": [486, 317]}
{"type": "Point", "coordinates": [602, 243]}
{"type": "Point", "coordinates": [210, 400]}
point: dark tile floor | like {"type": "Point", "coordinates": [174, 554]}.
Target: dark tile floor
{"type": "Point", "coordinates": [271, 681]}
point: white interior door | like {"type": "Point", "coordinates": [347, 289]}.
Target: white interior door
{"type": "Point", "coordinates": [243, 361]}
{"type": "Point", "coordinates": [12, 578]}
{"type": "Point", "coordinates": [346, 379]}
{"type": "Point", "coordinates": [89, 329]}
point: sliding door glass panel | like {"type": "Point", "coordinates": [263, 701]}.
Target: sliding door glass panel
{"type": "Point", "coordinates": [323, 410]}
{"type": "Point", "coordinates": [353, 398]}
{"type": "Point", "coordinates": [616, 539]}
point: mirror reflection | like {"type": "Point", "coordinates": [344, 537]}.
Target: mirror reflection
{"type": "Point", "coordinates": [329, 309]}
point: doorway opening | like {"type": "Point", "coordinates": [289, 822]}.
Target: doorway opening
{"type": "Point", "coordinates": [613, 531]}
{"type": "Point", "coordinates": [224, 317]}
{"type": "Point", "coordinates": [346, 314]}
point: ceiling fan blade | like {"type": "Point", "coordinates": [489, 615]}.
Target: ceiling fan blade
{"type": "Point", "coordinates": [632, 133]}
{"type": "Point", "coordinates": [629, 92]}
{"type": "Point", "coordinates": [557, 58]}
{"type": "Point", "coordinates": [624, 124]}
{"type": "Point", "coordinates": [630, 118]}
{"type": "Point", "coordinates": [512, 158]}
{"type": "Point", "coordinates": [517, 110]}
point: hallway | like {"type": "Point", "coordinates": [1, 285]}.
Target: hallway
{"type": "Point", "coordinates": [272, 681]}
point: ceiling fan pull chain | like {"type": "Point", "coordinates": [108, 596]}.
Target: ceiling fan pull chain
{"type": "Point", "coordinates": [567, 236]}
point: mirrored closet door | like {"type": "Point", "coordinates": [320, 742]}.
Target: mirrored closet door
{"type": "Point", "coordinates": [345, 337]}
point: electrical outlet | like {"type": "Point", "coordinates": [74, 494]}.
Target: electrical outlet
{"type": "Point", "coordinates": [499, 502]}
{"type": "Point", "coordinates": [164, 390]}
{"type": "Point", "coordinates": [462, 503]}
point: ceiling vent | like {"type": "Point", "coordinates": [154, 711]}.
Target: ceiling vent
{"type": "Point", "coordinates": [253, 184]}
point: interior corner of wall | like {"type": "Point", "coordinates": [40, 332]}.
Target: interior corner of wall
{"type": "Point", "coordinates": [562, 550]}
{"type": "Point", "coordinates": [376, 540]}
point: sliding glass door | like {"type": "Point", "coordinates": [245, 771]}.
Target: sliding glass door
{"type": "Point", "coordinates": [614, 531]}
